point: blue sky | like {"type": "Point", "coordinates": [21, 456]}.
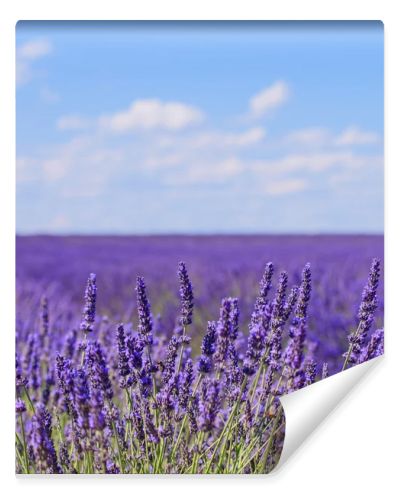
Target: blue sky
{"type": "Point", "coordinates": [199, 127]}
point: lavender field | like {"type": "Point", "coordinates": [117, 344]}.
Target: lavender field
{"type": "Point", "coordinates": [169, 354]}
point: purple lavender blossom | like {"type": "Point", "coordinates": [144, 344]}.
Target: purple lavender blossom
{"type": "Point", "coordinates": [208, 344]}
{"type": "Point", "coordinates": [145, 380]}
{"type": "Point", "coordinates": [374, 348]}
{"type": "Point", "coordinates": [32, 361]}
{"type": "Point", "coordinates": [366, 313]}
{"type": "Point", "coordinates": [265, 286]}
{"type": "Point", "coordinates": [143, 306]}
{"type": "Point", "coordinates": [66, 375]}
{"type": "Point", "coordinates": [225, 329]}
{"type": "Point", "coordinates": [279, 302]}
{"type": "Point", "coordinates": [98, 370]}
{"type": "Point", "coordinates": [208, 348]}
{"type": "Point", "coordinates": [170, 361]}
{"type": "Point", "coordinates": [20, 406]}
{"type": "Point", "coordinates": [89, 310]}
{"type": "Point", "coordinates": [123, 359]}
{"type": "Point", "coordinates": [186, 294]}
{"type": "Point", "coordinates": [310, 371]}
{"type": "Point", "coordinates": [293, 355]}
{"type": "Point", "coordinates": [20, 380]}
{"type": "Point", "coordinates": [82, 399]}
{"type": "Point", "coordinates": [42, 442]}
{"type": "Point", "coordinates": [290, 303]}
{"type": "Point", "coordinates": [134, 348]}
{"type": "Point", "coordinates": [277, 322]}
{"type": "Point", "coordinates": [209, 404]}
{"type": "Point", "coordinates": [304, 294]}
{"type": "Point", "coordinates": [255, 348]}
{"type": "Point", "coordinates": [369, 299]}
{"type": "Point", "coordinates": [234, 318]}
{"type": "Point", "coordinates": [187, 378]}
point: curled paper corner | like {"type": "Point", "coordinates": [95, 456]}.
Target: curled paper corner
{"type": "Point", "coordinates": [307, 408]}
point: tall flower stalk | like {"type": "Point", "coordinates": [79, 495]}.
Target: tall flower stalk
{"type": "Point", "coordinates": [369, 303]}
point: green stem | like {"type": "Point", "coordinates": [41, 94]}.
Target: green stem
{"type": "Point", "coordinates": [199, 444]}
{"type": "Point", "coordinates": [227, 428]}
{"type": "Point", "coordinates": [29, 400]}
{"type": "Point", "coordinates": [26, 459]}
{"type": "Point", "coordinates": [185, 417]}
{"type": "Point", "coordinates": [271, 439]}
{"type": "Point", "coordinates": [121, 461]}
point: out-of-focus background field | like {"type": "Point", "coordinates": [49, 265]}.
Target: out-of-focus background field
{"type": "Point", "coordinates": [219, 266]}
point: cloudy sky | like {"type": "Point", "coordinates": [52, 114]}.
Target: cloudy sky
{"type": "Point", "coordinates": [199, 128]}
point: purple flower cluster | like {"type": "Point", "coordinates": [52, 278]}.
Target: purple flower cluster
{"type": "Point", "coordinates": [145, 319]}
{"type": "Point", "coordinates": [186, 293]}
{"type": "Point", "coordinates": [89, 311]}
{"type": "Point", "coordinates": [368, 306]}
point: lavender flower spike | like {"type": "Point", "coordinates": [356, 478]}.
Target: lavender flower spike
{"type": "Point", "coordinates": [278, 321]}
{"type": "Point", "coordinates": [123, 359]}
{"type": "Point", "coordinates": [297, 332]}
{"type": "Point", "coordinates": [42, 443]}
{"type": "Point", "coordinates": [186, 294]}
{"type": "Point", "coordinates": [208, 348]}
{"type": "Point", "coordinates": [366, 313]}
{"type": "Point", "coordinates": [310, 371]}
{"type": "Point", "coordinates": [374, 348]}
{"type": "Point", "coordinates": [20, 406]}
{"type": "Point", "coordinates": [265, 286]}
{"type": "Point", "coordinates": [223, 331]}
{"type": "Point", "coordinates": [369, 300]}
{"type": "Point", "coordinates": [98, 370]}
{"type": "Point", "coordinates": [89, 311]}
{"type": "Point", "coordinates": [304, 295]}
{"type": "Point", "coordinates": [145, 320]}
{"type": "Point", "coordinates": [261, 301]}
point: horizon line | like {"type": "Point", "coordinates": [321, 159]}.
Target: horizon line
{"type": "Point", "coordinates": [180, 235]}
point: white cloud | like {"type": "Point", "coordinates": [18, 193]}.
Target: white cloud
{"type": "Point", "coordinates": [353, 136]}
{"type": "Point", "coordinates": [72, 122]}
{"type": "Point", "coordinates": [311, 136]}
{"type": "Point", "coordinates": [79, 167]}
{"type": "Point", "coordinates": [269, 98]}
{"type": "Point", "coordinates": [285, 186]}
{"type": "Point", "coordinates": [59, 221]}
{"type": "Point", "coordinates": [210, 173]}
{"type": "Point", "coordinates": [223, 140]}
{"type": "Point", "coordinates": [26, 169]}
{"type": "Point", "coordinates": [169, 160]}
{"type": "Point", "coordinates": [150, 114]}
{"type": "Point", "coordinates": [55, 168]}
{"type": "Point", "coordinates": [34, 49]}
{"type": "Point", "coordinates": [49, 95]}
{"type": "Point", "coordinates": [316, 137]}
{"type": "Point", "coordinates": [26, 54]}
{"type": "Point", "coordinates": [317, 162]}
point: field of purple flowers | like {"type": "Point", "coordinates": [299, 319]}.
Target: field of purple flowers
{"type": "Point", "coordinates": [174, 359]}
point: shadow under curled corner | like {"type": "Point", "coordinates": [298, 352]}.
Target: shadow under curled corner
{"type": "Point", "coordinates": [307, 408]}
